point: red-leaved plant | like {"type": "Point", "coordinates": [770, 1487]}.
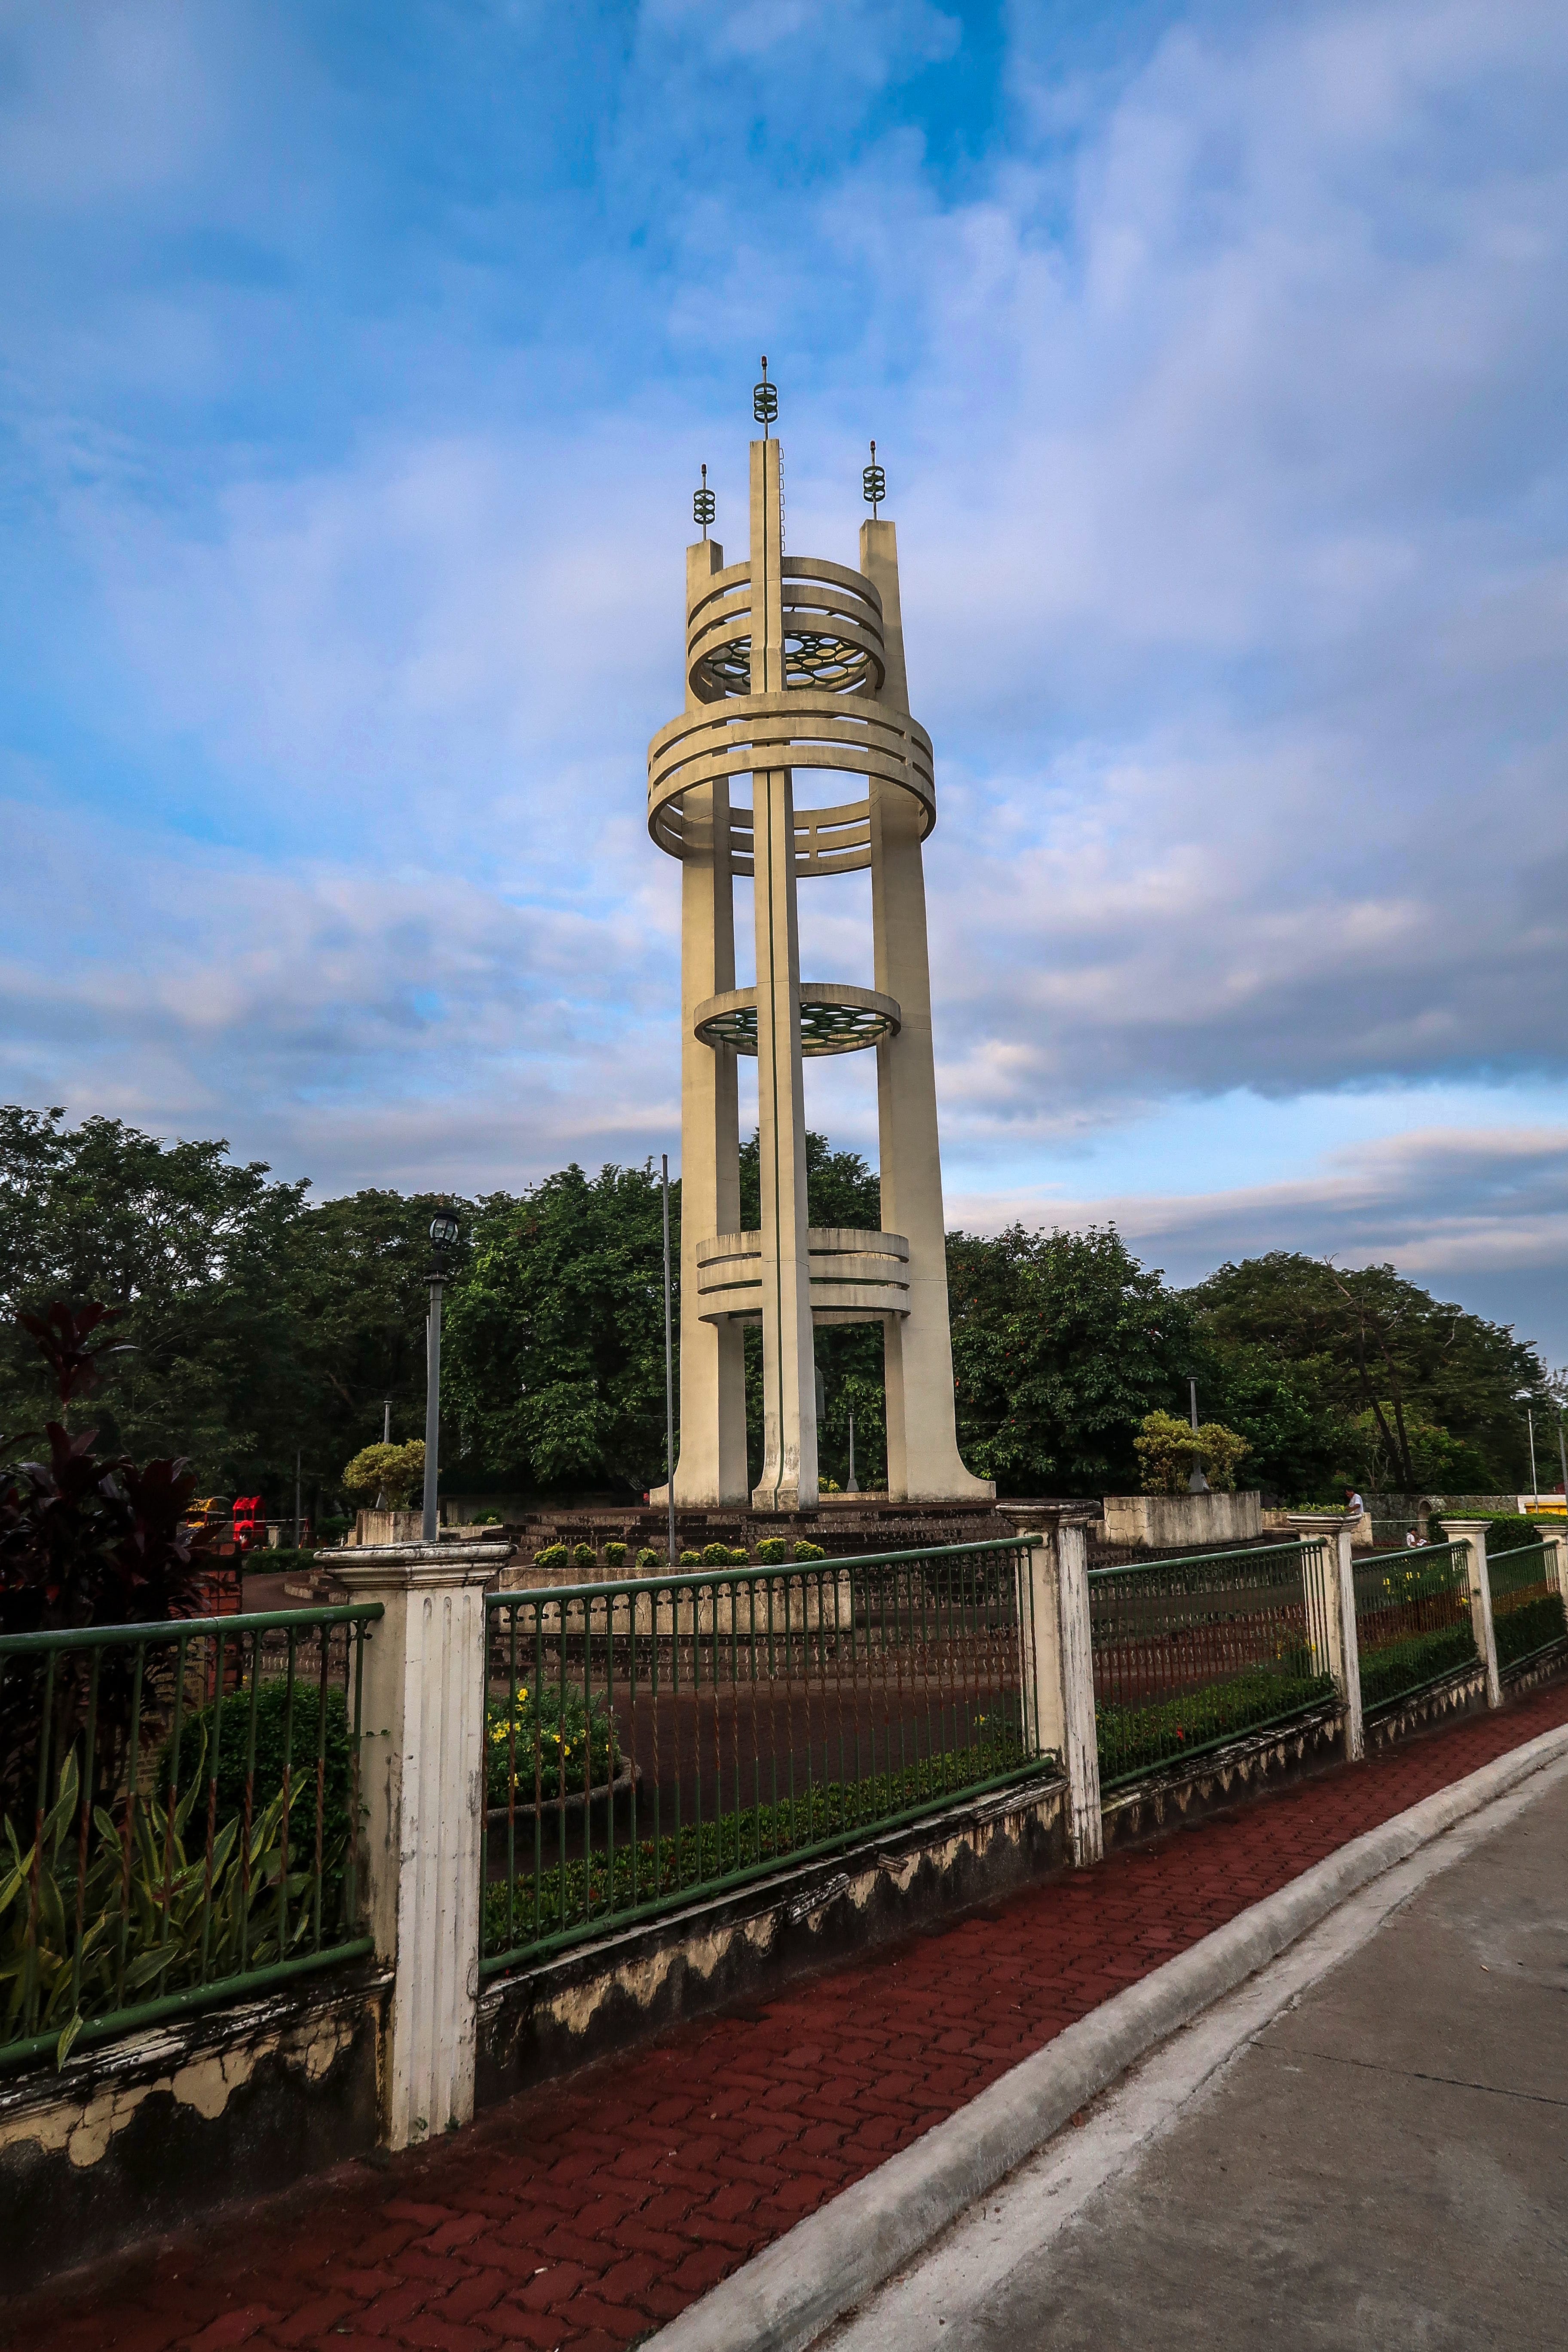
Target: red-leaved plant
{"type": "Point", "coordinates": [85, 1540]}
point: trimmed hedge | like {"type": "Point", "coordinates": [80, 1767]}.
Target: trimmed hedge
{"type": "Point", "coordinates": [1147, 1739]}
{"type": "Point", "coordinates": [1404, 1665]}
{"type": "Point", "coordinates": [764, 1833]}
{"type": "Point", "coordinates": [1521, 1631]}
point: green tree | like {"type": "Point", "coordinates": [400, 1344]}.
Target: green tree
{"type": "Point", "coordinates": [1061, 1344]}
{"type": "Point", "coordinates": [354, 1274]}
{"type": "Point", "coordinates": [842, 1191]}
{"type": "Point", "coordinates": [189, 1245]}
{"type": "Point", "coordinates": [1405, 1384]}
{"type": "Point", "coordinates": [553, 1352]}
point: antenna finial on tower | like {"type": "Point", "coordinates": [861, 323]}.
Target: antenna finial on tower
{"type": "Point", "coordinates": [766, 400]}
{"type": "Point", "coordinates": [873, 483]}
{"type": "Point", "coordinates": [704, 505]}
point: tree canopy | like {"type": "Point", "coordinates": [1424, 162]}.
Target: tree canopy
{"type": "Point", "coordinates": [256, 1320]}
{"type": "Point", "coordinates": [1404, 1391]}
{"type": "Point", "coordinates": [1062, 1343]}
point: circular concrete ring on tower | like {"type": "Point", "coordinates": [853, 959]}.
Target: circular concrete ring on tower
{"type": "Point", "coordinates": [856, 1277]}
{"type": "Point", "coordinates": [834, 1018]}
{"type": "Point", "coordinates": [832, 625]}
{"type": "Point", "coordinates": [807, 731]}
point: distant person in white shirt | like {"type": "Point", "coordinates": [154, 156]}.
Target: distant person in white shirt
{"type": "Point", "coordinates": [1411, 1540]}
{"type": "Point", "coordinates": [1354, 1506]}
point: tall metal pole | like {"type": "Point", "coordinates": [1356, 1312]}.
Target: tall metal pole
{"type": "Point", "coordinates": [387, 1421]}
{"type": "Point", "coordinates": [296, 1499]}
{"type": "Point", "coordinates": [851, 1487]}
{"type": "Point", "coordinates": [1534, 1477]}
{"type": "Point", "coordinates": [668, 1367]}
{"type": "Point", "coordinates": [432, 1406]}
{"type": "Point", "coordinates": [1562, 1457]}
{"type": "Point", "coordinates": [1196, 1482]}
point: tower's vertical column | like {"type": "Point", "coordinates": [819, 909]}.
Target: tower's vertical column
{"type": "Point", "coordinates": [713, 1460]}
{"type": "Point", "coordinates": [789, 1383]}
{"type": "Point", "coordinates": [922, 1442]}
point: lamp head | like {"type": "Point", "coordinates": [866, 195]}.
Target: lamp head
{"type": "Point", "coordinates": [443, 1230]}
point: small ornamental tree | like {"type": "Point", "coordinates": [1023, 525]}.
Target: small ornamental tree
{"type": "Point", "coordinates": [395, 1471]}
{"type": "Point", "coordinates": [1220, 1449]}
{"type": "Point", "coordinates": [1169, 1447]}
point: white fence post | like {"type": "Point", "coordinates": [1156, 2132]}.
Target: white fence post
{"type": "Point", "coordinates": [1551, 1544]}
{"type": "Point", "coordinates": [1473, 1532]}
{"type": "Point", "coordinates": [422, 1784]}
{"type": "Point", "coordinates": [1329, 1577]}
{"type": "Point", "coordinates": [1062, 1670]}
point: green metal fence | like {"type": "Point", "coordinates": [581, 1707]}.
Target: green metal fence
{"type": "Point", "coordinates": [1189, 1654]}
{"type": "Point", "coordinates": [179, 1825]}
{"type": "Point", "coordinates": [1527, 1608]}
{"type": "Point", "coordinates": [1413, 1620]}
{"type": "Point", "coordinates": [654, 1742]}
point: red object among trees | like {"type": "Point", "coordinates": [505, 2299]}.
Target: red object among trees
{"type": "Point", "coordinates": [249, 1522]}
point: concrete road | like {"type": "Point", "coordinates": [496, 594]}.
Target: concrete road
{"type": "Point", "coordinates": [1385, 2163]}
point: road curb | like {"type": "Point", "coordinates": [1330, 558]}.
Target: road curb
{"type": "Point", "coordinates": [782, 2298]}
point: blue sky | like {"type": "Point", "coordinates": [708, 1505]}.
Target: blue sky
{"type": "Point", "coordinates": [357, 369]}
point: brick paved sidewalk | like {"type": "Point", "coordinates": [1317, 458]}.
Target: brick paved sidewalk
{"type": "Point", "coordinates": [585, 2213]}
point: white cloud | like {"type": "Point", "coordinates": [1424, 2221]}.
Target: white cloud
{"type": "Point", "coordinates": [1435, 1201]}
{"type": "Point", "coordinates": [1222, 416]}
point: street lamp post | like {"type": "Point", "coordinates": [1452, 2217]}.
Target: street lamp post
{"type": "Point", "coordinates": [443, 1233]}
{"type": "Point", "coordinates": [851, 1486]}
{"type": "Point", "coordinates": [1196, 1482]}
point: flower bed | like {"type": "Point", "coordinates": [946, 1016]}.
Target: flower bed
{"type": "Point", "coordinates": [548, 1744]}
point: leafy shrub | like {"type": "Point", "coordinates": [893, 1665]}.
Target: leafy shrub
{"type": "Point", "coordinates": [773, 1551]}
{"type": "Point", "coordinates": [717, 1554]}
{"type": "Point", "coordinates": [585, 1556]}
{"type": "Point", "coordinates": [1399, 1667]}
{"type": "Point", "coordinates": [1169, 1447]}
{"type": "Point", "coordinates": [165, 1940]}
{"type": "Point", "coordinates": [281, 1560]}
{"type": "Point", "coordinates": [690, 1559]}
{"type": "Point", "coordinates": [614, 1555]}
{"type": "Point", "coordinates": [233, 1744]}
{"type": "Point", "coordinates": [1142, 1738]}
{"type": "Point", "coordinates": [1506, 1530]}
{"type": "Point", "coordinates": [648, 1559]}
{"type": "Point", "coordinates": [543, 1740]}
{"type": "Point", "coordinates": [85, 1540]}
{"type": "Point", "coordinates": [740, 1556]}
{"type": "Point", "coordinates": [554, 1556]}
{"type": "Point", "coordinates": [1521, 1632]}
{"type": "Point", "coordinates": [395, 1471]}
{"type": "Point", "coordinates": [803, 1550]}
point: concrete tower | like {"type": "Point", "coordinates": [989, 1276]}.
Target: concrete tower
{"type": "Point", "coordinates": [795, 668]}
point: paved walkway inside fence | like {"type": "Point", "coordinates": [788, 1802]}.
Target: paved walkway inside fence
{"type": "Point", "coordinates": [584, 2214]}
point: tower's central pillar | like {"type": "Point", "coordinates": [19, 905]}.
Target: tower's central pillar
{"type": "Point", "coordinates": [788, 1481]}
